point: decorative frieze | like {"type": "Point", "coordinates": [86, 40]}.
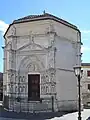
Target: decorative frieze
{"type": "Point", "coordinates": [48, 83]}
{"type": "Point", "coordinates": [48, 89]}
{"type": "Point", "coordinates": [19, 86]}
{"type": "Point", "coordinates": [45, 89]}
{"type": "Point", "coordinates": [11, 76]}
{"type": "Point", "coordinates": [45, 78]}
{"type": "Point", "coordinates": [22, 79]}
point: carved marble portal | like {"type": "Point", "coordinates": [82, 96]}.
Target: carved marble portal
{"type": "Point", "coordinates": [18, 81]}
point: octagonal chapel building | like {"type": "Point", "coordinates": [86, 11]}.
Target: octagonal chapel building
{"type": "Point", "coordinates": [39, 54]}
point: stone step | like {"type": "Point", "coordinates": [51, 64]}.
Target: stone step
{"type": "Point", "coordinates": [31, 106]}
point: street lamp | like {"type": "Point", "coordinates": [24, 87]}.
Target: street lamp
{"type": "Point", "coordinates": [77, 70]}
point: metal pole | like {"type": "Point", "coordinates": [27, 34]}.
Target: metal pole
{"type": "Point", "coordinates": [79, 99]}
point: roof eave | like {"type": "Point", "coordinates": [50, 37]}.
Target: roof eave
{"type": "Point", "coordinates": [43, 18]}
{"type": "Point", "coordinates": [7, 30]}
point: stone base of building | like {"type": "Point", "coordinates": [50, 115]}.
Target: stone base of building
{"type": "Point", "coordinates": [44, 105]}
{"type": "Point", "coordinates": [30, 106]}
{"type": "Point", "coordinates": [67, 105]}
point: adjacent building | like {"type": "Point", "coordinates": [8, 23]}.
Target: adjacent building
{"type": "Point", "coordinates": [86, 84]}
{"type": "Point", "coordinates": [39, 55]}
{"type": "Point", "coordinates": [1, 86]}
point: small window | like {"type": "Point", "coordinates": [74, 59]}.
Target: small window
{"type": "Point", "coordinates": [88, 86]}
{"type": "Point", "coordinates": [88, 73]}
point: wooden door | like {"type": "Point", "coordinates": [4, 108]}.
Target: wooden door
{"type": "Point", "coordinates": [33, 87]}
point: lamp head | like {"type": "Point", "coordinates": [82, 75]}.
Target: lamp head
{"type": "Point", "coordinates": [77, 70]}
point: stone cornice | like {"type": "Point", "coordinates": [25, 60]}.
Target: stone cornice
{"type": "Point", "coordinates": [66, 39]}
{"type": "Point", "coordinates": [33, 34]}
{"type": "Point", "coordinates": [64, 69]}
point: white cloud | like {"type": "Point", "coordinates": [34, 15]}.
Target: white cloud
{"type": "Point", "coordinates": [85, 31]}
{"type": "Point", "coordinates": [3, 26]}
{"type": "Point", "coordinates": [85, 49]}
{"type": "Point", "coordinates": [85, 39]}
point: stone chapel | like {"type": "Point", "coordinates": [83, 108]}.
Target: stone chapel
{"type": "Point", "coordinates": [39, 54]}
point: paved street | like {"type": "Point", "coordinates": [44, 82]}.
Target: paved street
{"type": "Point", "coordinates": [5, 115]}
{"type": "Point", "coordinates": [1, 118]}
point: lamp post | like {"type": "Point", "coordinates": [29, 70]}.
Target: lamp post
{"type": "Point", "coordinates": [77, 70]}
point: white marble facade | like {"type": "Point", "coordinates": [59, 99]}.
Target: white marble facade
{"type": "Point", "coordinates": [47, 47]}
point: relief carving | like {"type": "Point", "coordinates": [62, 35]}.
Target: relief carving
{"type": "Point", "coordinates": [47, 89]}
{"type": "Point", "coordinates": [24, 79]}
{"type": "Point", "coordinates": [8, 45]}
{"type": "Point", "coordinates": [21, 79]}
{"type": "Point", "coordinates": [48, 84]}
{"type": "Point", "coordinates": [50, 29]}
{"type": "Point", "coordinates": [31, 38]}
{"type": "Point", "coordinates": [31, 67]}
{"type": "Point", "coordinates": [11, 76]}
{"type": "Point", "coordinates": [10, 88]}
{"type": "Point", "coordinates": [42, 89]}
{"type": "Point", "coordinates": [52, 77]}
{"type": "Point", "coordinates": [45, 78]}
{"type": "Point", "coordinates": [53, 88]}
{"type": "Point", "coordinates": [4, 87]}
{"type": "Point", "coordinates": [51, 59]}
{"type": "Point", "coordinates": [13, 31]}
{"type": "Point", "coordinates": [16, 79]}
{"type": "Point", "coordinates": [16, 88]}
{"type": "Point", "coordinates": [20, 88]}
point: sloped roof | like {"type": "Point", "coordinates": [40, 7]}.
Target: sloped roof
{"type": "Point", "coordinates": [85, 64]}
{"type": "Point", "coordinates": [44, 16]}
